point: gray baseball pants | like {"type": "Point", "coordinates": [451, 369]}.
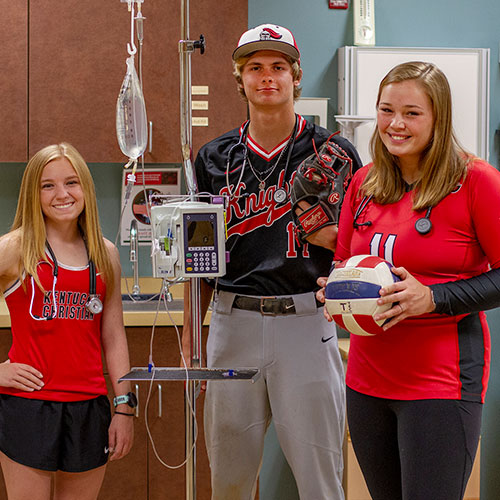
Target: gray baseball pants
{"type": "Point", "coordinates": [301, 388]}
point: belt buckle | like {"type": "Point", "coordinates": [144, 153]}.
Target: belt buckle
{"type": "Point", "coordinates": [265, 313]}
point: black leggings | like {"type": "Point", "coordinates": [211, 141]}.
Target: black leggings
{"type": "Point", "coordinates": [414, 450]}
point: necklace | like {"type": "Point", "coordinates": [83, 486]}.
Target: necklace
{"type": "Point", "coordinates": [262, 177]}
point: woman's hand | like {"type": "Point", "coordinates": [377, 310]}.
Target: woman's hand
{"type": "Point", "coordinates": [320, 295]}
{"type": "Point", "coordinates": [409, 296]}
{"type": "Point", "coordinates": [20, 376]}
{"type": "Point", "coordinates": [120, 435]}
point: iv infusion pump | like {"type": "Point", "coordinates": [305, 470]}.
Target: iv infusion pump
{"type": "Point", "coordinates": [188, 240]}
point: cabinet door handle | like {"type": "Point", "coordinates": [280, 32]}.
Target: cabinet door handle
{"type": "Point", "coordinates": [150, 137]}
{"type": "Point", "coordinates": [137, 396]}
{"type": "Point", "coordinates": [159, 401]}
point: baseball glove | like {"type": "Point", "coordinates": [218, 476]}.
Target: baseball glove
{"type": "Point", "coordinates": [321, 180]}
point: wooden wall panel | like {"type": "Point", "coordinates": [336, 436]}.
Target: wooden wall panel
{"type": "Point", "coordinates": [77, 64]}
{"type": "Point", "coordinates": [222, 24]}
{"type": "Point", "coordinates": [13, 81]}
{"type": "Point", "coordinates": [161, 78]}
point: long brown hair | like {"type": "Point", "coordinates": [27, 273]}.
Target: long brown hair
{"type": "Point", "coordinates": [443, 162]}
{"type": "Point", "coordinates": [29, 217]}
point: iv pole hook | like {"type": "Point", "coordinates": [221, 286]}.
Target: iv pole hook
{"type": "Point", "coordinates": [131, 48]}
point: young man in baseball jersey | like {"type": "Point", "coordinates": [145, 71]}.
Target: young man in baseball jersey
{"type": "Point", "coordinates": [265, 312]}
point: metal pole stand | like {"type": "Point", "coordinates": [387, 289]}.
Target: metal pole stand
{"type": "Point", "coordinates": [192, 376]}
{"type": "Point", "coordinates": [348, 124]}
{"type": "Point", "coordinates": [144, 374]}
{"type": "Point", "coordinates": [186, 48]}
{"type": "Point", "coordinates": [195, 373]}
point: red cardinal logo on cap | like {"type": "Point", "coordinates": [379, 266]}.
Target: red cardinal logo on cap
{"type": "Point", "coordinates": [268, 33]}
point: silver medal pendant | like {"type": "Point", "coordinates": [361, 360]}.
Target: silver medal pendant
{"type": "Point", "coordinates": [94, 305]}
{"type": "Point", "coordinates": [279, 195]}
{"type": "Point", "coordinates": [262, 185]}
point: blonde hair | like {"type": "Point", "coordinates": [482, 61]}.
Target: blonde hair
{"type": "Point", "coordinates": [443, 162]}
{"type": "Point", "coordinates": [239, 64]}
{"type": "Point", "coordinates": [29, 218]}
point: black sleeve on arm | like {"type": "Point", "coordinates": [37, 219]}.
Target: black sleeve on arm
{"type": "Point", "coordinates": [479, 293]}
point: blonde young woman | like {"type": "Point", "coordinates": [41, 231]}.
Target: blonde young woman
{"type": "Point", "coordinates": [61, 282]}
{"type": "Point", "coordinates": [415, 392]}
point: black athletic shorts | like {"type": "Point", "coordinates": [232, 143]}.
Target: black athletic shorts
{"type": "Point", "coordinates": [50, 435]}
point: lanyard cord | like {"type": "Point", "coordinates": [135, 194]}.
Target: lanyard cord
{"type": "Point", "coordinates": [92, 285]}
{"type": "Point", "coordinates": [243, 144]}
{"type": "Point", "coordinates": [359, 211]}
{"type": "Point", "coordinates": [55, 272]}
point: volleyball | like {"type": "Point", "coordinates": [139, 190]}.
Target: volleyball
{"type": "Point", "coordinates": [352, 291]}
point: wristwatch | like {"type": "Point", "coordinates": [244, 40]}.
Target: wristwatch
{"type": "Point", "coordinates": [129, 398]}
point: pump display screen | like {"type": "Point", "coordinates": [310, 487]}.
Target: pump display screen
{"type": "Point", "coordinates": [200, 244]}
{"type": "Point", "coordinates": [201, 234]}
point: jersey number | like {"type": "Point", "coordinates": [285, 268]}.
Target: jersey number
{"type": "Point", "coordinates": [292, 249]}
{"type": "Point", "coordinates": [385, 249]}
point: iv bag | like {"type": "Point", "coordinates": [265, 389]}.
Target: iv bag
{"type": "Point", "coordinates": [131, 119]}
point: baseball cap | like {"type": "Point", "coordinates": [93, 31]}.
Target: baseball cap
{"type": "Point", "coordinates": [267, 37]}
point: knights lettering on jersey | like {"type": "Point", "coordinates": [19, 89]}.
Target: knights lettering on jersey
{"type": "Point", "coordinates": [265, 257]}
{"type": "Point", "coordinates": [260, 209]}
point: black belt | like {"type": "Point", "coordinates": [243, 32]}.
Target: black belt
{"type": "Point", "coordinates": [271, 306]}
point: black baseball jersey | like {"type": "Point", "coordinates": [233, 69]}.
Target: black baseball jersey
{"type": "Point", "coordinates": [265, 256]}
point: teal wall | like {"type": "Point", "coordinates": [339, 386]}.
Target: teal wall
{"type": "Point", "coordinates": [425, 23]}
{"type": "Point", "coordinates": [320, 32]}
{"type": "Point", "coordinates": [107, 178]}
{"type": "Point", "coordinates": [108, 183]}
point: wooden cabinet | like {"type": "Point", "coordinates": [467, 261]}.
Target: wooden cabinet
{"type": "Point", "coordinates": [77, 53]}
{"type": "Point", "coordinates": [14, 81]}
{"type": "Point", "coordinates": [75, 73]}
{"type": "Point", "coordinates": [129, 475]}
{"type": "Point", "coordinates": [146, 478]}
{"type": "Point", "coordinates": [139, 475]}
{"type": "Point", "coordinates": [167, 428]}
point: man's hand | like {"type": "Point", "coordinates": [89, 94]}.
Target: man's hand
{"type": "Point", "coordinates": [317, 192]}
{"type": "Point", "coordinates": [320, 295]}
{"type": "Point", "coordinates": [325, 237]}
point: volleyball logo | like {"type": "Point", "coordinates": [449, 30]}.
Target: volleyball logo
{"type": "Point", "coordinates": [352, 291]}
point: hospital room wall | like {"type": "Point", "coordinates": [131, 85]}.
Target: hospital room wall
{"type": "Point", "coordinates": [450, 23]}
{"type": "Point", "coordinates": [320, 32]}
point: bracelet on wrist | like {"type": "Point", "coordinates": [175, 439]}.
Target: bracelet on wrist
{"type": "Point", "coordinates": [123, 413]}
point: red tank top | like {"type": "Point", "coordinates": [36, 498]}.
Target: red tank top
{"type": "Point", "coordinates": [66, 349]}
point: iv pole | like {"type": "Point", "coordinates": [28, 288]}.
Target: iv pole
{"type": "Point", "coordinates": [186, 48]}
{"type": "Point", "coordinates": [194, 374]}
